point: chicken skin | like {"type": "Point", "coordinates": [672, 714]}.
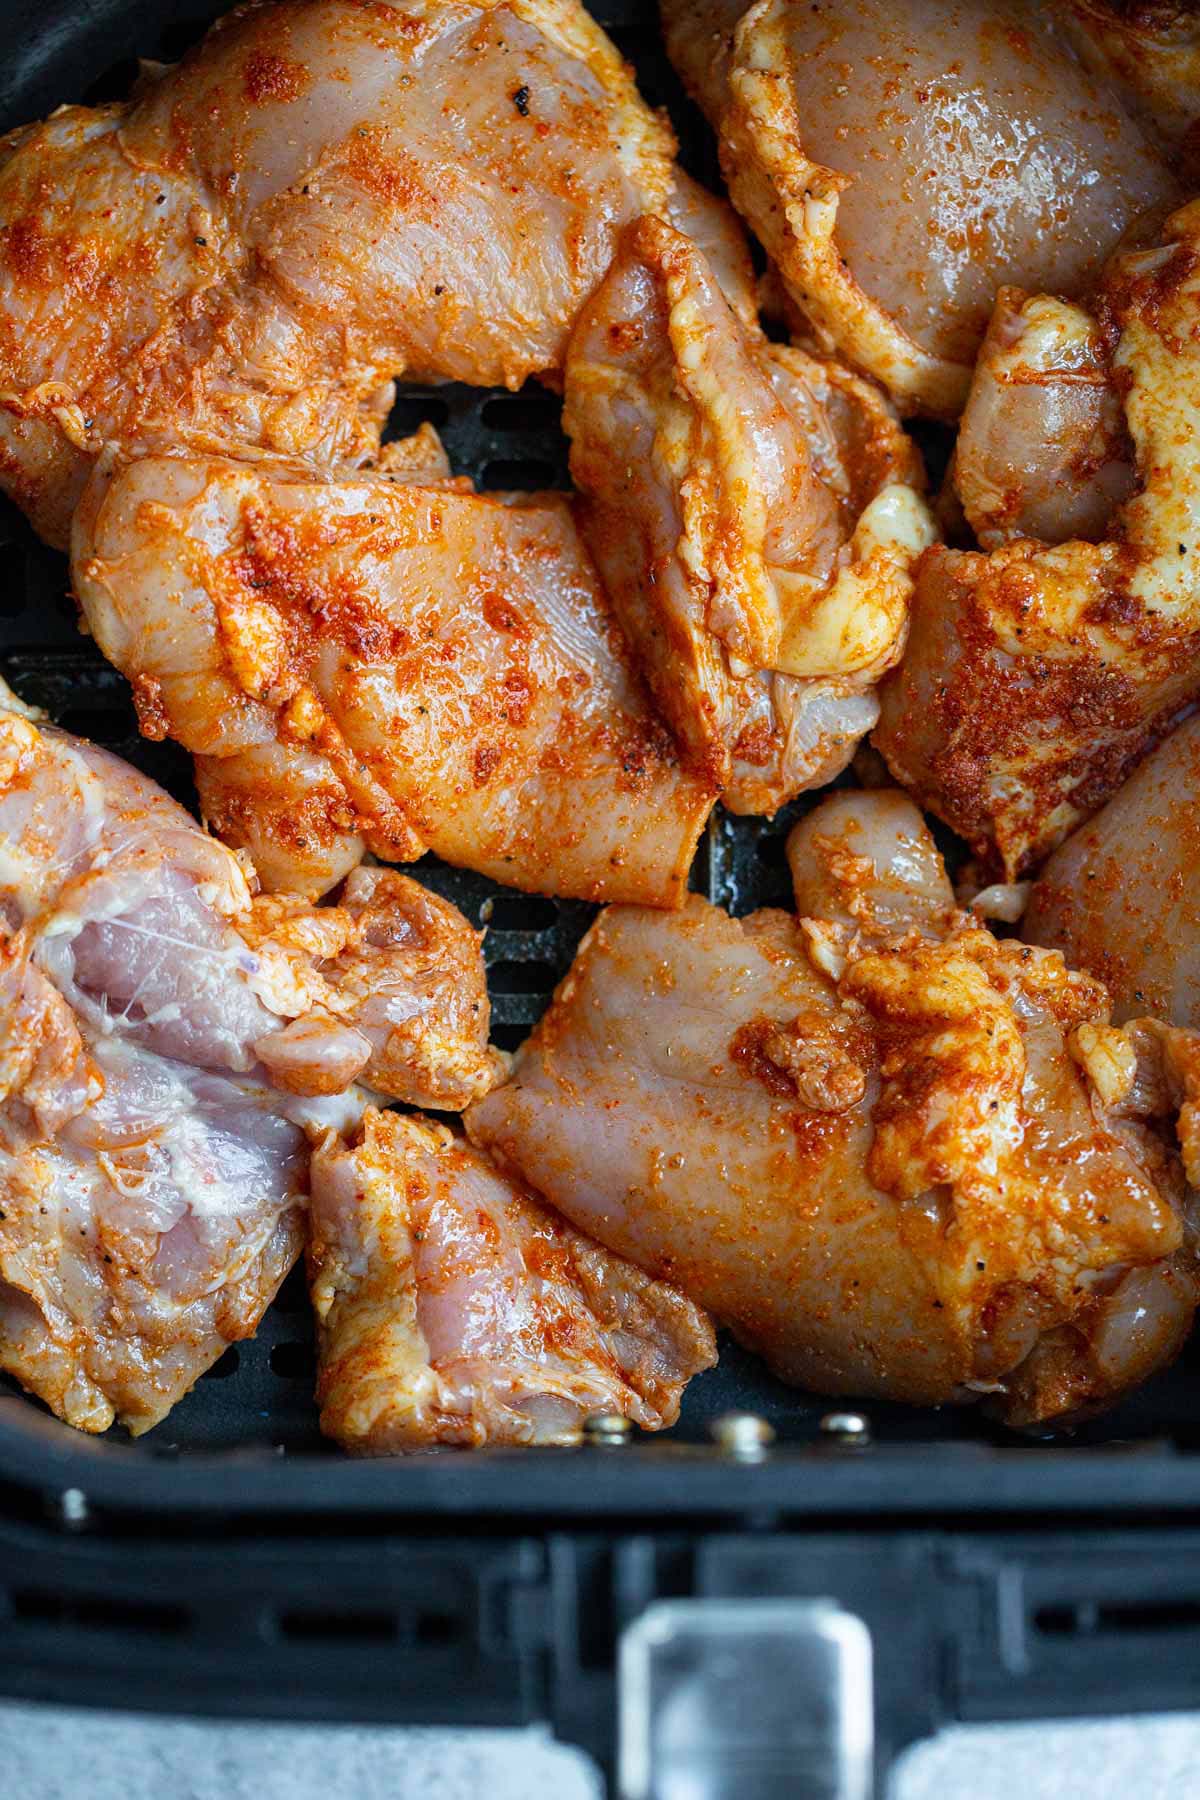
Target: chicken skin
{"type": "Point", "coordinates": [1120, 897]}
{"type": "Point", "coordinates": [1036, 676]}
{"type": "Point", "coordinates": [454, 1308]}
{"type": "Point", "coordinates": [168, 1045]}
{"type": "Point", "coordinates": [755, 514]}
{"type": "Point", "coordinates": [1150, 50]}
{"type": "Point", "coordinates": [372, 664]}
{"type": "Point", "coordinates": [320, 196]}
{"type": "Point", "coordinates": [1043, 450]}
{"type": "Point", "coordinates": [901, 163]}
{"type": "Point", "coordinates": [895, 1155]}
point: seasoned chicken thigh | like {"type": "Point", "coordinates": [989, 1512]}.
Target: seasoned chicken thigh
{"type": "Point", "coordinates": [1150, 49]}
{"type": "Point", "coordinates": [896, 1156]}
{"type": "Point", "coordinates": [1122, 897]}
{"type": "Point", "coordinates": [755, 514]}
{"type": "Point", "coordinates": [1043, 451]}
{"type": "Point", "coordinates": [1037, 676]}
{"type": "Point", "coordinates": [166, 1046]}
{"type": "Point", "coordinates": [395, 987]}
{"type": "Point", "coordinates": [454, 1308]}
{"type": "Point", "coordinates": [900, 163]}
{"type": "Point", "coordinates": [368, 664]}
{"type": "Point", "coordinates": [320, 196]}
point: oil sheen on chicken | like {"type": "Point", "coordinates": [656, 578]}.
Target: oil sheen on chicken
{"type": "Point", "coordinates": [168, 1045]}
{"type": "Point", "coordinates": [369, 663]}
{"type": "Point", "coordinates": [319, 197]}
{"type": "Point", "coordinates": [454, 1308]}
{"type": "Point", "coordinates": [901, 162]}
{"type": "Point", "coordinates": [896, 1156]}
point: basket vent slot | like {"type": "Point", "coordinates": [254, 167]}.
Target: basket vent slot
{"type": "Point", "coordinates": [534, 409]}
{"type": "Point", "coordinates": [522, 912]}
{"type": "Point", "coordinates": [511, 977]}
{"type": "Point", "coordinates": [90, 1613]}
{"type": "Point", "coordinates": [523, 473]}
{"type": "Point", "coordinates": [295, 1362]}
{"type": "Point", "coordinates": [413, 410]}
{"type": "Point", "coordinates": [1090, 1618]}
{"type": "Point", "coordinates": [362, 1627]}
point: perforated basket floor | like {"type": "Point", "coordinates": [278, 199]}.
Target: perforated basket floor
{"type": "Point", "coordinates": [258, 1398]}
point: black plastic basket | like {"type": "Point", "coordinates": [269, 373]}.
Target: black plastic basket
{"type": "Point", "coordinates": [230, 1562]}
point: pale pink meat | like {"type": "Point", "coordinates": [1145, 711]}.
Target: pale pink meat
{"type": "Point", "coordinates": [454, 1308]}
{"type": "Point", "coordinates": [874, 1145]}
{"type": "Point", "coordinates": [963, 144]}
{"type": "Point", "coordinates": [754, 514]}
{"type": "Point", "coordinates": [320, 197]}
{"type": "Point", "coordinates": [1122, 896]}
{"type": "Point", "coordinates": [155, 1102]}
{"type": "Point", "coordinates": [444, 664]}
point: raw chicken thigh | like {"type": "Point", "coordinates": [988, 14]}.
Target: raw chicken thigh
{"type": "Point", "coordinates": [1121, 897]}
{"type": "Point", "coordinates": [755, 514]}
{"type": "Point", "coordinates": [371, 664]}
{"type": "Point", "coordinates": [453, 1307]}
{"type": "Point", "coordinates": [320, 196]}
{"type": "Point", "coordinates": [896, 1156]}
{"type": "Point", "coordinates": [169, 1044]}
{"type": "Point", "coordinates": [1038, 675]}
{"type": "Point", "coordinates": [1043, 451]}
{"type": "Point", "coordinates": [900, 163]}
{"type": "Point", "coordinates": [1150, 50]}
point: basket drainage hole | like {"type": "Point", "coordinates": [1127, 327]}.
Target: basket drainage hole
{"type": "Point", "coordinates": [295, 1362]}
{"type": "Point", "coordinates": [522, 977]}
{"type": "Point", "coordinates": [534, 409]}
{"type": "Point", "coordinates": [1088, 1618]}
{"type": "Point", "coordinates": [360, 1627]}
{"type": "Point", "coordinates": [522, 912]}
{"type": "Point", "coordinates": [293, 1295]}
{"type": "Point", "coordinates": [412, 411]}
{"type": "Point", "coordinates": [523, 473]}
{"type": "Point", "coordinates": [225, 1366]}
{"type": "Point", "coordinates": [41, 1608]}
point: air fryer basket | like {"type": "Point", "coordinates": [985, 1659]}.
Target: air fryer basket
{"type": "Point", "coordinates": [231, 1562]}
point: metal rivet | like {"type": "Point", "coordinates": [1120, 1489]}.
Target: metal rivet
{"type": "Point", "coordinates": [742, 1435]}
{"type": "Point", "coordinates": [71, 1508]}
{"type": "Point", "coordinates": [847, 1427]}
{"type": "Point", "coordinates": [607, 1428]}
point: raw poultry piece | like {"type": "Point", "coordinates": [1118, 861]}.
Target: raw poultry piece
{"type": "Point", "coordinates": [369, 664]}
{"type": "Point", "coordinates": [755, 514]}
{"type": "Point", "coordinates": [320, 196]}
{"type": "Point", "coordinates": [1036, 676]}
{"type": "Point", "coordinates": [1150, 49]}
{"type": "Point", "coordinates": [454, 1308]}
{"type": "Point", "coordinates": [896, 1156]}
{"type": "Point", "coordinates": [900, 163]}
{"type": "Point", "coordinates": [393, 988]}
{"type": "Point", "coordinates": [166, 1045]}
{"type": "Point", "coordinates": [1043, 450]}
{"type": "Point", "coordinates": [1121, 899]}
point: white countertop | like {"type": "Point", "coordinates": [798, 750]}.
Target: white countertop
{"type": "Point", "coordinates": [51, 1753]}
